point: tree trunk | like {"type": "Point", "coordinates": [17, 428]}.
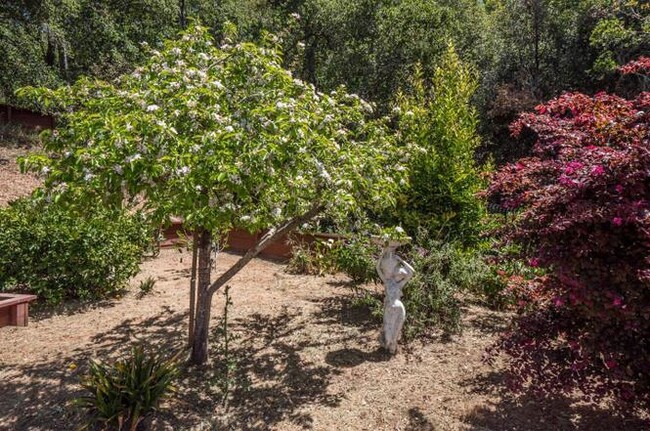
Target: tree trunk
{"type": "Point", "coordinates": [206, 290]}
{"type": "Point", "coordinates": [204, 299]}
{"type": "Point", "coordinates": [195, 248]}
{"type": "Point", "coordinates": [182, 13]}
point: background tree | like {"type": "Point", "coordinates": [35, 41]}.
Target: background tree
{"type": "Point", "coordinates": [437, 118]}
{"type": "Point", "coordinates": [47, 42]}
{"type": "Point", "coordinates": [223, 137]}
{"type": "Point", "coordinates": [370, 46]}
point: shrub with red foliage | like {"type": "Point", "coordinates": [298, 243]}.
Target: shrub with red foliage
{"type": "Point", "coordinates": [582, 212]}
{"type": "Point", "coordinates": [640, 66]}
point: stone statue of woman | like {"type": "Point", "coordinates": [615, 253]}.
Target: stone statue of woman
{"type": "Point", "coordinates": [394, 273]}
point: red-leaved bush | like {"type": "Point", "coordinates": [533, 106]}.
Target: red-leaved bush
{"type": "Point", "coordinates": [582, 213]}
{"type": "Point", "coordinates": [640, 66]}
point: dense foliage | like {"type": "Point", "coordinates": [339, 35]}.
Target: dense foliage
{"type": "Point", "coordinates": [49, 42]}
{"type": "Point", "coordinates": [583, 202]}
{"type": "Point", "coordinates": [121, 395]}
{"type": "Point", "coordinates": [443, 271]}
{"type": "Point", "coordinates": [525, 50]}
{"type": "Point", "coordinates": [221, 136]}
{"type": "Point", "coordinates": [58, 254]}
{"type": "Point", "coordinates": [438, 120]}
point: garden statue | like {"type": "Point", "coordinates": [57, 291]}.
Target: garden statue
{"type": "Point", "coordinates": [394, 273]}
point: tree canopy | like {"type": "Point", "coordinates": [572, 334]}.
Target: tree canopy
{"type": "Point", "coordinates": [222, 136]}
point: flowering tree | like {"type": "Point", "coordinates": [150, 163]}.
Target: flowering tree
{"type": "Point", "coordinates": [222, 137]}
{"type": "Point", "coordinates": [583, 213]}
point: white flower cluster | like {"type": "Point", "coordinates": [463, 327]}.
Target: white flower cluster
{"type": "Point", "coordinates": [133, 158]}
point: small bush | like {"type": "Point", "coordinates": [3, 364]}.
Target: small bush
{"type": "Point", "coordinates": [503, 286]}
{"type": "Point", "coordinates": [442, 271]}
{"type": "Point", "coordinates": [14, 135]}
{"type": "Point", "coordinates": [58, 254]}
{"type": "Point", "coordinates": [357, 259]}
{"type": "Point", "coordinates": [121, 395]}
{"type": "Point", "coordinates": [146, 286]}
{"type": "Point", "coordinates": [313, 258]}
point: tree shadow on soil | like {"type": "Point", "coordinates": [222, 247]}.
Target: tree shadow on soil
{"type": "Point", "coordinates": [344, 310]}
{"type": "Point", "coordinates": [39, 395]}
{"type": "Point", "coordinates": [272, 382]}
{"type": "Point", "coordinates": [487, 322]}
{"type": "Point", "coordinates": [40, 310]}
{"type": "Point", "coordinates": [418, 421]}
{"type": "Point", "coordinates": [530, 412]}
{"type": "Point", "coordinates": [351, 357]}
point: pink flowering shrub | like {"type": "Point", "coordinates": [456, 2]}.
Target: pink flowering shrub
{"type": "Point", "coordinates": [582, 212]}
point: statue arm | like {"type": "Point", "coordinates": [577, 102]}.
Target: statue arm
{"type": "Point", "coordinates": [409, 269]}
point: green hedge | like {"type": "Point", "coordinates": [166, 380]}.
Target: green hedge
{"type": "Point", "coordinates": [58, 253]}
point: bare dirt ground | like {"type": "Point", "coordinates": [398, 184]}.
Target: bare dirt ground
{"type": "Point", "coordinates": [13, 184]}
{"type": "Point", "coordinates": [310, 358]}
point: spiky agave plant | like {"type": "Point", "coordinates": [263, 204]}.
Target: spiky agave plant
{"type": "Point", "coordinates": [122, 394]}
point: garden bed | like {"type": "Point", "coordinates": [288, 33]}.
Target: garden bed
{"type": "Point", "coordinates": [310, 355]}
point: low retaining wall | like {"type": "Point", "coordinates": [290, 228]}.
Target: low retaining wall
{"type": "Point", "coordinates": [241, 241]}
{"type": "Point", "coordinates": [24, 117]}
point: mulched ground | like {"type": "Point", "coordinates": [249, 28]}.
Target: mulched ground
{"type": "Point", "coordinates": [308, 359]}
{"type": "Point", "coordinates": [13, 184]}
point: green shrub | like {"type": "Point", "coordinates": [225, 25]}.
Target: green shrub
{"type": "Point", "coordinates": [357, 259]}
{"type": "Point", "coordinates": [58, 254]}
{"type": "Point", "coordinates": [14, 135]}
{"type": "Point", "coordinates": [121, 395]}
{"type": "Point", "coordinates": [314, 258]}
{"type": "Point", "coordinates": [439, 125]}
{"type": "Point", "coordinates": [146, 286]}
{"type": "Point", "coordinates": [442, 271]}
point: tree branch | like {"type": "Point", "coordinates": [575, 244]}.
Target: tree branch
{"type": "Point", "coordinates": [269, 238]}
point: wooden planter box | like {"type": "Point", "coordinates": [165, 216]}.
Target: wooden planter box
{"type": "Point", "coordinates": [14, 309]}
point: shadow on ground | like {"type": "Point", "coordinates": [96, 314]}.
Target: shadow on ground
{"type": "Point", "coordinates": [270, 382]}
{"type": "Point", "coordinates": [530, 412]}
{"type": "Point", "coordinates": [38, 396]}
{"type": "Point", "coordinates": [275, 372]}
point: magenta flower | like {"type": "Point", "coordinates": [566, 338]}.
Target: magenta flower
{"type": "Point", "coordinates": [619, 188]}
{"type": "Point", "coordinates": [566, 181]}
{"type": "Point", "coordinates": [617, 221]}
